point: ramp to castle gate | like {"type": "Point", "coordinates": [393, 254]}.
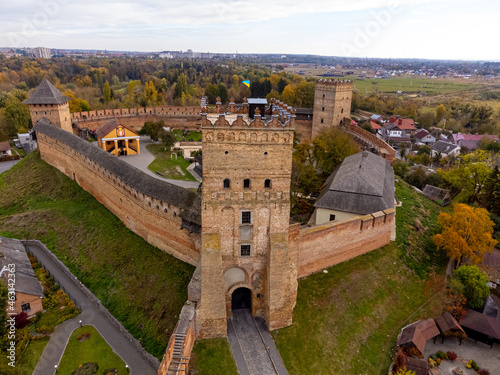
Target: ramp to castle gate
{"type": "Point", "coordinates": [253, 347]}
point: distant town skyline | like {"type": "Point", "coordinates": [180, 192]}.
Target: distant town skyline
{"type": "Point", "coordinates": [430, 29]}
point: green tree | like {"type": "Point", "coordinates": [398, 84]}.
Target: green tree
{"type": "Point", "coordinates": [281, 85]}
{"type": "Point", "coordinates": [331, 147]}
{"type": "Point", "coordinates": [106, 92]}
{"type": "Point", "coordinates": [490, 196]}
{"type": "Point", "coordinates": [153, 129]}
{"type": "Point", "coordinates": [304, 94]}
{"type": "Point", "coordinates": [17, 115]}
{"type": "Point", "coordinates": [474, 284]}
{"type": "Point", "coordinates": [471, 174]}
{"type": "Point", "coordinates": [223, 93]}
{"type": "Point", "coordinates": [211, 92]}
{"type": "Point", "coordinates": [181, 86]}
{"type": "Point", "coordinates": [167, 138]}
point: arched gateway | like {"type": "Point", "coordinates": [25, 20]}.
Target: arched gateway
{"type": "Point", "coordinates": [241, 299]}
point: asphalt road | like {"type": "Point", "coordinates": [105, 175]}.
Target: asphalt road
{"type": "Point", "coordinates": [6, 165]}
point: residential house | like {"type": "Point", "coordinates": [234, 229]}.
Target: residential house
{"type": "Point", "coordinates": [445, 149]}
{"type": "Point", "coordinates": [27, 288]}
{"type": "Point", "coordinates": [5, 149]}
{"type": "Point", "coordinates": [471, 141]}
{"type": "Point", "coordinates": [423, 136]}
{"type": "Point", "coordinates": [406, 124]}
{"type": "Point", "coordinates": [393, 134]}
{"type": "Point", "coordinates": [361, 185]}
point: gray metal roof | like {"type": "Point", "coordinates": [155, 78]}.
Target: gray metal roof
{"type": "Point", "coordinates": [257, 101]}
{"type": "Point", "coordinates": [443, 147]}
{"type": "Point", "coordinates": [362, 184]}
{"type": "Point", "coordinates": [46, 93]}
{"type": "Point", "coordinates": [13, 252]}
{"type": "Point", "coordinates": [189, 202]}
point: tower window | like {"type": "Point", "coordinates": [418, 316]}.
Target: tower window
{"type": "Point", "coordinates": [267, 184]}
{"type": "Point", "coordinates": [245, 250]}
{"type": "Point", "coordinates": [322, 120]}
{"type": "Point", "coordinates": [246, 183]}
{"type": "Point", "coordinates": [332, 217]}
{"type": "Point", "coordinates": [323, 109]}
{"type": "Point", "coordinates": [342, 110]}
{"type": "Point", "coordinates": [246, 217]}
{"type": "Point", "coordinates": [323, 96]}
{"type": "Point", "coordinates": [227, 183]}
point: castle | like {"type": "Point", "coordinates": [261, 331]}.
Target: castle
{"type": "Point", "coordinates": [238, 233]}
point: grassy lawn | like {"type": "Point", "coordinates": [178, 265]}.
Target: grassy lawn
{"type": "Point", "coordinates": [346, 321]}
{"type": "Point", "coordinates": [137, 282]}
{"type": "Point", "coordinates": [212, 357]}
{"type": "Point", "coordinates": [167, 166]}
{"type": "Point", "coordinates": [31, 356]}
{"type": "Point", "coordinates": [94, 349]}
{"type": "Point", "coordinates": [194, 135]}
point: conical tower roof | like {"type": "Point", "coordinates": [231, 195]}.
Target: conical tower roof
{"type": "Point", "coordinates": [46, 93]}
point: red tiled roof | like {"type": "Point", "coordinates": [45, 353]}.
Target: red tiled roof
{"type": "Point", "coordinates": [421, 134]}
{"type": "Point", "coordinates": [406, 123]}
{"type": "Point", "coordinates": [375, 126]}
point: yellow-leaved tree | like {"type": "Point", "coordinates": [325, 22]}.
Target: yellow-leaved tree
{"type": "Point", "coordinates": [467, 234]}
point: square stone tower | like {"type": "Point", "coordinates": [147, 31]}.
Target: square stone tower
{"type": "Point", "coordinates": [332, 102]}
{"type": "Point", "coordinates": [47, 101]}
{"type": "Point", "coordinates": [245, 260]}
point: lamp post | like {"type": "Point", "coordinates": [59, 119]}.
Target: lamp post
{"type": "Point", "coordinates": [128, 369]}
{"type": "Point", "coordinates": [80, 321]}
{"type": "Point", "coordinates": [55, 368]}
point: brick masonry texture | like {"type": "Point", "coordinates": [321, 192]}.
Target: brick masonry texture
{"type": "Point", "coordinates": [157, 222]}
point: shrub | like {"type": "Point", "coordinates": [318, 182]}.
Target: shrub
{"type": "Point", "coordinates": [472, 364]}
{"type": "Point", "coordinates": [21, 320]}
{"type": "Point", "coordinates": [87, 334]}
{"type": "Point", "coordinates": [483, 371]}
{"type": "Point", "coordinates": [440, 354]}
{"type": "Point", "coordinates": [79, 337]}
{"type": "Point", "coordinates": [434, 357]}
{"type": "Point", "coordinates": [451, 356]}
{"type": "Point", "coordinates": [89, 368]}
{"type": "Point", "coordinates": [111, 371]}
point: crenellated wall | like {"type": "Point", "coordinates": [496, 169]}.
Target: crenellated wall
{"type": "Point", "coordinates": [155, 210]}
{"type": "Point", "coordinates": [325, 245]}
{"type": "Point", "coordinates": [174, 116]}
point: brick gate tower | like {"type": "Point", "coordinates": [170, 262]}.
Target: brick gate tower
{"type": "Point", "coordinates": [245, 260]}
{"type": "Point", "coordinates": [332, 102]}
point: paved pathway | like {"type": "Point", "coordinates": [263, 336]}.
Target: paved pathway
{"type": "Point", "coordinates": [6, 165]}
{"type": "Point", "coordinates": [253, 347]}
{"type": "Point", "coordinates": [145, 158]}
{"type": "Point", "coordinates": [90, 315]}
{"type": "Point", "coordinates": [485, 356]}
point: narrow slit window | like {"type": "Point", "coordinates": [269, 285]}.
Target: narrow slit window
{"type": "Point", "coordinates": [227, 183]}
{"type": "Point", "coordinates": [267, 184]}
{"type": "Point", "coordinates": [246, 183]}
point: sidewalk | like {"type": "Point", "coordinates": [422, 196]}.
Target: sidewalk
{"type": "Point", "coordinates": [120, 341]}
{"type": "Point", "coordinates": [145, 158]}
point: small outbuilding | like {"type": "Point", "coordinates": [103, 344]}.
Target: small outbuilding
{"type": "Point", "coordinates": [448, 326]}
{"type": "Point", "coordinates": [117, 139]}
{"type": "Point", "coordinates": [485, 326]}
{"type": "Point", "coordinates": [361, 185]}
{"type": "Point", "coordinates": [5, 149]}
{"type": "Point", "coordinates": [416, 335]}
{"type": "Point", "coordinates": [441, 196]}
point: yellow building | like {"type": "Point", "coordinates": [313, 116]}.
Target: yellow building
{"type": "Point", "coordinates": [117, 139]}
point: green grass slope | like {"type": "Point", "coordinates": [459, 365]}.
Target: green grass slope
{"type": "Point", "coordinates": [138, 283]}
{"type": "Point", "coordinates": [346, 321]}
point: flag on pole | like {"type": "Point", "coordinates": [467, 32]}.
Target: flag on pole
{"type": "Point", "coordinates": [246, 83]}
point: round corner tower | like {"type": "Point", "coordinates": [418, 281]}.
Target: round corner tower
{"type": "Point", "coordinates": [245, 260]}
{"type": "Point", "coordinates": [332, 102]}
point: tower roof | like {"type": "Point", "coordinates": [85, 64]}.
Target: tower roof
{"type": "Point", "coordinates": [46, 93]}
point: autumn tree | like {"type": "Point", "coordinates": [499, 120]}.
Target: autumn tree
{"type": "Point", "coordinates": [441, 112]}
{"type": "Point", "coordinates": [150, 93]}
{"type": "Point", "coordinates": [467, 234]}
{"type": "Point", "coordinates": [473, 282]}
{"type": "Point", "coordinates": [331, 147]}
{"type": "Point", "coordinates": [76, 104]}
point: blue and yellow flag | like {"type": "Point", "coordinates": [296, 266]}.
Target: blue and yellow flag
{"type": "Point", "coordinates": [246, 83]}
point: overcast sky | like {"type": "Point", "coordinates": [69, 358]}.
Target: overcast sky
{"type": "Point", "coordinates": [435, 29]}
